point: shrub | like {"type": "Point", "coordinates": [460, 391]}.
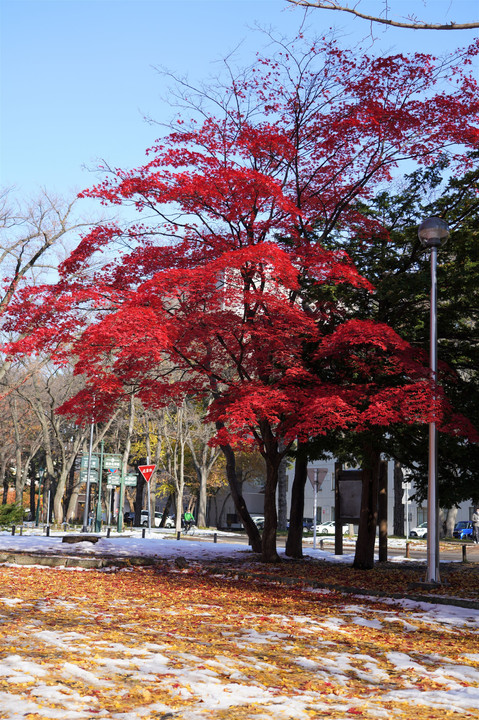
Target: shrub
{"type": "Point", "coordinates": [11, 514]}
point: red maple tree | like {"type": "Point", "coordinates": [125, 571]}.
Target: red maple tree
{"type": "Point", "coordinates": [213, 284]}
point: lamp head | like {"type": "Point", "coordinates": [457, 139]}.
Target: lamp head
{"type": "Point", "coordinates": [433, 232]}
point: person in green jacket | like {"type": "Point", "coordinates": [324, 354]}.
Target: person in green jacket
{"type": "Point", "coordinates": [189, 520]}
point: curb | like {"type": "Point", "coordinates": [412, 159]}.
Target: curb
{"type": "Point", "coordinates": [89, 563]}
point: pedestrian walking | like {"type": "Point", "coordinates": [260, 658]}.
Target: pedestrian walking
{"type": "Point", "coordinates": [475, 526]}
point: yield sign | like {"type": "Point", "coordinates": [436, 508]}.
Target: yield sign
{"type": "Point", "coordinates": [146, 471]}
{"type": "Point", "coordinates": [316, 476]}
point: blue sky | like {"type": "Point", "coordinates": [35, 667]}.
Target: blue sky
{"type": "Point", "coordinates": [77, 76]}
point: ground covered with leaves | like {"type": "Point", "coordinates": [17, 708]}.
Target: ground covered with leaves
{"type": "Point", "coordinates": [179, 640]}
{"type": "Point", "coordinates": [458, 580]}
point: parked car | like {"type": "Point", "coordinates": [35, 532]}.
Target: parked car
{"type": "Point", "coordinates": [462, 530]}
{"type": "Point", "coordinates": [258, 521]}
{"type": "Point", "coordinates": [420, 531]}
{"type": "Point", "coordinates": [329, 528]}
{"type": "Point", "coordinates": [307, 524]}
{"type": "Point", "coordinates": [169, 522]}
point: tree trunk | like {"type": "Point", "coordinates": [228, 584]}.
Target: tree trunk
{"type": "Point", "coordinates": [58, 497]}
{"type": "Point", "coordinates": [204, 457]}
{"type": "Point", "coordinates": [273, 459]}
{"type": "Point", "coordinates": [3, 474]}
{"type": "Point", "coordinates": [203, 479]}
{"type": "Point", "coordinates": [73, 501]}
{"type": "Point", "coordinates": [383, 511]}
{"type": "Point", "coordinates": [166, 510]}
{"type": "Point", "coordinates": [282, 495]}
{"type": "Point", "coordinates": [136, 504]}
{"type": "Point", "coordinates": [67, 468]}
{"type": "Point", "coordinates": [33, 497]}
{"type": "Point", "coordinates": [398, 523]}
{"type": "Point", "coordinates": [294, 542]}
{"type": "Point", "coordinates": [238, 499]}
{"type": "Point", "coordinates": [364, 556]}
{"type": "Point", "coordinates": [450, 521]}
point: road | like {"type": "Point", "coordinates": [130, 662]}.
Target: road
{"type": "Point", "coordinates": [449, 551]}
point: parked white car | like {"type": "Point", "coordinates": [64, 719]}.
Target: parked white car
{"type": "Point", "coordinates": [329, 528]}
{"type": "Point", "coordinates": [169, 523]}
{"type": "Point", "coordinates": [420, 531]}
{"type": "Point", "coordinates": [258, 521]}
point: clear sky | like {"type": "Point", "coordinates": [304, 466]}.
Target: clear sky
{"type": "Point", "coordinates": [77, 76]}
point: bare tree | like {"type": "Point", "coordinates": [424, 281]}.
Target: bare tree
{"type": "Point", "coordinates": [203, 455]}
{"type": "Point", "coordinates": [31, 243]}
{"type": "Point", "coordinates": [410, 22]}
{"type": "Point", "coordinates": [27, 437]}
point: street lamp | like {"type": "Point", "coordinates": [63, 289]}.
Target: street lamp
{"type": "Point", "coordinates": [432, 233]}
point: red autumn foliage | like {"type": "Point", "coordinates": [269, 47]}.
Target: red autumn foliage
{"type": "Point", "coordinates": [215, 286]}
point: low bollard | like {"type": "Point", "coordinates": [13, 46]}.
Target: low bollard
{"type": "Point", "coordinates": [21, 530]}
{"type": "Point", "coordinates": [215, 537]}
{"type": "Point", "coordinates": [143, 532]}
{"type": "Point", "coordinates": [407, 550]}
{"type": "Point", "coordinates": [65, 526]}
{"type": "Point", "coordinates": [321, 544]}
{"type": "Point", "coordinates": [464, 553]}
{"type": "Point", "coordinates": [108, 531]}
{"type": "Point", "coordinates": [48, 530]}
{"type": "Point", "coordinates": [178, 535]}
{"type": "Point", "coordinates": [13, 529]}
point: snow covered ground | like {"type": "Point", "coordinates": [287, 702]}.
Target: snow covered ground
{"type": "Point", "coordinates": [174, 643]}
{"type": "Point", "coordinates": [201, 546]}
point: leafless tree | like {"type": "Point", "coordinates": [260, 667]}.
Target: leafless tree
{"type": "Point", "coordinates": [34, 237]}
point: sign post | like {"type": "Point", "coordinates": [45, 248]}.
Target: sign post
{"type": "Point", "coordinates": [89, 466]}
{"type": "Point", "coordinates": [147, 471]}
{"type": "Point", "coordinates": [112, 463]}
{"type": "Point", "coordinates": [99, 514]}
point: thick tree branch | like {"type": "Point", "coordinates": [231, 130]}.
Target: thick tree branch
{"type": "Point", "coordinates": [411, 24]}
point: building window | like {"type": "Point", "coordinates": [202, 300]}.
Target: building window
{"type": "Point", "coordinates": [421, 515]}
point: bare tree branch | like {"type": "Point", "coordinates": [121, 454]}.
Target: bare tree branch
{"type": "Point", "coordinates": [412, 22]}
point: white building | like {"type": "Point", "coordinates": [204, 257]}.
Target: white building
{"type": "Point", "coordinates": [225, 516]}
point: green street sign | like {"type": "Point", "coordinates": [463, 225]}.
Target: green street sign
{"type": "Point", "coordinates": [112, 462]}
{"type": "Point", "coordinates": [113, 481]}
{"type": "Point", "coordinates": [93, 476]}
{"type": "Point", "coordinates": [131, 480]}
{"type": "Point", "coordinates": [95, 463]}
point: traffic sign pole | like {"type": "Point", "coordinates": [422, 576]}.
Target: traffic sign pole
{"type": "Point", "coordinates": [122, 502]}
{"type": "Point", "coordinates": [87, 492]}
{"type": "Point", "coordinates": [147, 471]}
{"type": "Point", "coordinates": [149, 509]}
{"type": "Point", "coordinates": [99, 518]}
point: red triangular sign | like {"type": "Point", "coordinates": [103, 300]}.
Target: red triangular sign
{"type": "Point", "coordinates": [146, 471]}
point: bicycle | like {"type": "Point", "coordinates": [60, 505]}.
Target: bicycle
{"type": "Point", "coordinates": [190, 529]}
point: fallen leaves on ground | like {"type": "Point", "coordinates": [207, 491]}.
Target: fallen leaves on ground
{"type": "Point", "coordinates": [167, 643]}
{"type": "Point", "coordinates": [458, 580]}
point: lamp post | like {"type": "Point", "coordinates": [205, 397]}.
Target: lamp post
{"type": "Point", "coordinates": [432, 233]}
